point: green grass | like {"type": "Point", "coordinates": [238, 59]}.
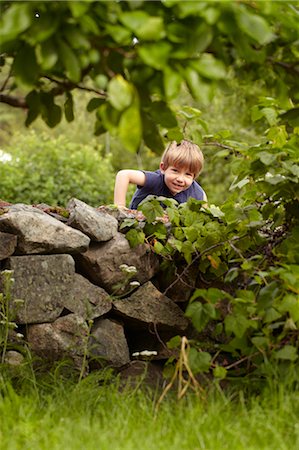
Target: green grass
{"type": "Point", "coordinates": [89, 415]}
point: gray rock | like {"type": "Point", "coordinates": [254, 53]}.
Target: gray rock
{"type": "Point", "coordinates": [108, 343]}
{"type": "Point", "coordinates": [66, 338]}
{"type": "Point", "coordinates": [148, 306]}
{"type": "Point", "coordinates": [99, 226]}
{"type": "Point", "coordinates": [13, 358]}
{"type": "Point", "coordinates": [40, 233]}
{"type": "Point", "coordinates": [8, 243]}
{"type": "Point", "coordinates": [87, 300]}
{"type": "Point", "coordinates": [101, 264]}
{"type": "Point", "coordinates": [42, 282]}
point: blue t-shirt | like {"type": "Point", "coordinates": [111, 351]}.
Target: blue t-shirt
{"type": "Point", "coordinates": [155, 185]}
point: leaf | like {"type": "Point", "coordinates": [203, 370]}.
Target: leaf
{"type": "Point", "coordinates": [51, 113]}
{"type": "Point", "coordinates": [291, 116]}
{"type": "Point", "coordinates": [70, 61]}
{"type": "Point", "coordinates": [236, 324]}
{"type": "Point", "coordinates": [144, 26]}
{"type": "Point", "coordinates": [69, 107]}
{"type": "Point", "coordinates": [155, 55]}
{"type": "Point", "coordinates": [199, 361]}
{"type": "Point", "coordinates": [135, 237]}
{"type": "Point", "coordinates": [172, 82]}
{"type": "Point", "coordinates": [120, 93]}
{"type": "Point", "coordinates": [209, 67]}
{"type": "Point", "coordinates": [254, 26]}
{"type": "Point", "coordinates": [197, 315]}
{"type": "Point", "coordinates": [220, 372]}
{"type": "Point", "coordinates": [16, 19]}
{"type": "Point", "coordinates": [162, 114]}
{"type": "Point", "coordinates": [288, 352]}
{"type": "Point", "coordinates": [174, 342]}
{"type": "Point", "coordinates": [48, 54]}
{"type": "Point", "coordinates": [130, 128]}
{"type": "Point", "coordinates": [151, 209]}
{"type": "Point", "coordinates": [94, 103]}
{"type": "Point", "coordinates": [25, 66]}
{"type": "Point", "coordinates": [266, 158]}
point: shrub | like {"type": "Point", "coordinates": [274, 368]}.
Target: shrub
{"type": "Point", "coordinates": [53, 170]}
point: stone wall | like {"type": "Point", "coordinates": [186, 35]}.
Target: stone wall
{"type": "Point", "coordinates": [79, 288]}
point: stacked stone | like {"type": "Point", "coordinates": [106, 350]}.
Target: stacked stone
{"type": "Point", "coordinates": [71, 274]}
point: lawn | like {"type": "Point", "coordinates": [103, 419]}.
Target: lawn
{"type": "Point", "coordinates": [56, 414]}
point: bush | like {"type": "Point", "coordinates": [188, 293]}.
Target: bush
{"type": "Point", "coordinates": [53, 170]}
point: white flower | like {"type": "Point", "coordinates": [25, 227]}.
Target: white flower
{"type": "Point", "coordinates": [134, 283]}
{"type": "Point", "coordinates": [145, 353]}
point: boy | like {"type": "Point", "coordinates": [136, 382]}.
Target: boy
{"type": "Point", "coordinates": [180, 165]}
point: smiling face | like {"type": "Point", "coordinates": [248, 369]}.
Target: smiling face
{"type": "Point", "coordinates": [177, 179]}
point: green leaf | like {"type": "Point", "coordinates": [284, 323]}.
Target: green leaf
{"type": "Point", "coordinates": [151, 135]}
{"type": "Point", "coordinates": [172, 82]}
{"type": "Point", "coordinates": [288, 352]}
{"type": "Point", "coordinates": [199, 361]}
{"type": "Point", "coordinates": [155, 55]}
{"type": "Point", "coordinates": [135, 237]}
{"type": "Point", "coordinates": [163, 115]}
{"type": "Point", "coordinates": [78, 9]}
{"type": "Point", "coordinates": [120, 93]}
{"type": "Point", "coordinates": [94, 103]}
{"type": "Point", "coordinates": [144, 26]}
{"type": "Point", "coordinates": [254, 26]}
{"type": "Point", "coordinates": [16, 19]}
{"type": "Point", "coordinates": [151, 209]}
{"type": "Point", "coordinates": [48, 54]}
{"type": "Point", "coordinates": [198, 315]}
{"type": "Point", "coordinates": [266, 158]}
{"type": "Point", "coordinates": [220, 372]}
{"type": "Point", "coordinates": [69, 107]}
{"type": "Point", "coordinates": [209, 67]}
{"type": "Point", "coordinates": [25, 66]}
{"type": "Point", "coordinates": [174, 342]}
{"type": "Point", "coordinates": [70, 61]}
{"type": "Point", "coordinates": [130, 128]}
{"type": "Point", "coordinates": [120, 34]}
{"type": "Point", "coordinates": [51, 113]}
{"type": "Point", "coordinates": [236, 324]}
{"type": "Point", "coordinates": [34, 105]}
{"type": "Point", "coordinates": [291, 116]}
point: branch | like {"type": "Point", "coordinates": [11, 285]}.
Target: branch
{"type": "Point", "coordinates": [16, 102]}
{"type": "Point", "coordinates": [199, 255]}
{"type": "Point", "coordinates": [68, 85]}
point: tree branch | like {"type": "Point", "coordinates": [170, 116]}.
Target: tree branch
{"type": "Point", "coordinates": [16, 102]}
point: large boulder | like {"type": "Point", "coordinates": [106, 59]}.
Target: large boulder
{"type": "Point", "coordinates": [87, 300]}
{"type": "Point", "coordinates": [108, 344]}
{"type": "Point", "coordinates": [40, 233]}
{"type": "Point", "coordinates": [66, 338]}
{"type": "Point", "coordinates": [8, 243]}
{"type": "Point", "coordinates": [101, 263]}
{"type": "Point", "coordinates": [99, 226]}
{"type": "Point", "coordinates": [149, 306]}
{"type": "Point", "coordinates": [43, 282]}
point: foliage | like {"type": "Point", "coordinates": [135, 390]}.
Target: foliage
{"type": "Point", "coordinates": [135, 57]}
{"type": "Point", "coordinates": [96, 413]}
{"type": "Point", "coordinates": [245, 254]}
{"type": "Point", "coordinates": [53, 171]}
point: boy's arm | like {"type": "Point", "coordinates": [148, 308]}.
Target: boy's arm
{"type": "Point", "coordinates": [122, 181]}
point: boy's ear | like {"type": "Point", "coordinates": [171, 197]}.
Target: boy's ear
{"type": "Point", "coordinates": [162, 168]}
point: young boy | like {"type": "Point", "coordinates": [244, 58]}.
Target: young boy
{"type": "Point", "coordinates": [180, 165]}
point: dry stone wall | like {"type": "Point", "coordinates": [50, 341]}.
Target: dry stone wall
{"type": "Point", "coordinates": [72, 274]}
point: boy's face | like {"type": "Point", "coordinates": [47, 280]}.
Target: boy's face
{"type": "Point", "coordinates": [177, 179]}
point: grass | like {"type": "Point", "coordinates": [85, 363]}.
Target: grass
{"type": "Point", "coordinates": [56, 415]}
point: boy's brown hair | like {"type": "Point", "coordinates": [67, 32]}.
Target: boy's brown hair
{"type": "Point", "coordinates": [184, 155]}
